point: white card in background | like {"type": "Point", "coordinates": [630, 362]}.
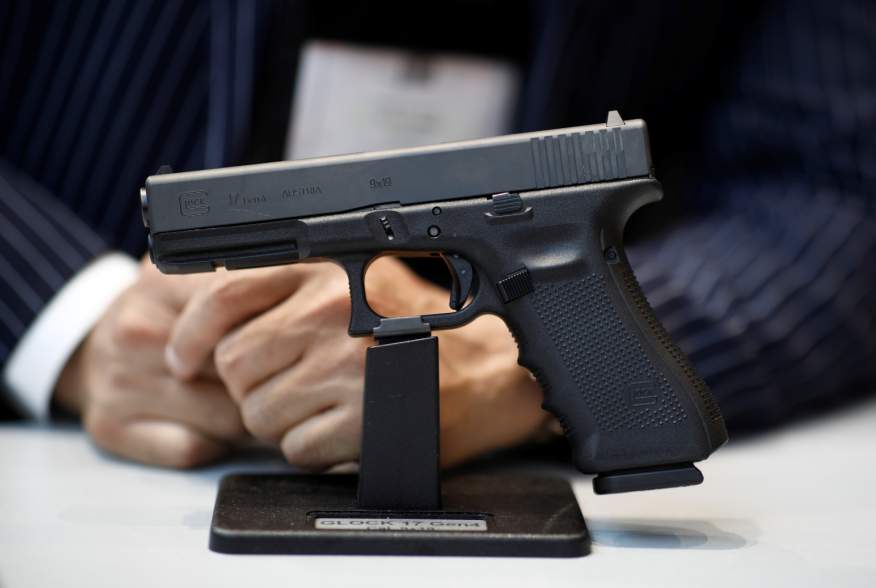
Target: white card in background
{"type": "Point", "coordinates": [351, 98]}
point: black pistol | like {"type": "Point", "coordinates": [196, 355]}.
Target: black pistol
{"type": "Point", "coordinates": [531, 227]}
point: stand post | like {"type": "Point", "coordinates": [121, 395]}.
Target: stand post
{"type": "Point", "coordinates": [399, 464]}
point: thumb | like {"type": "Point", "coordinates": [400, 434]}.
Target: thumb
{"type": "Point", "coordinates": [216, 309]}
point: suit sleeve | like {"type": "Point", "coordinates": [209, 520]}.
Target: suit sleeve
{"type": "Point", "coordinates": [43, 246]}
{"type": "Point", "coordinates": [774, 303]}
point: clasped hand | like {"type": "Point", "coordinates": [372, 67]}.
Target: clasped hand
{"type": "Point", "coordinates": [180, 369]}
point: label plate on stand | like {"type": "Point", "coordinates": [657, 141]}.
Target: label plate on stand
{"type": "Point", "coordinates": [396, 524]}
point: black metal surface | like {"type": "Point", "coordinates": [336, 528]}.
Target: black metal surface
{"type": "Point", "coordinates": [399, 461]}
{"type": "Point", "coordinates": [525, 516]}
{"type": "Point", "coordinates": [651, 478]}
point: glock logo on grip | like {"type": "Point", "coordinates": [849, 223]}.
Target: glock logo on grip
{"type": "Point", "coordinates": [641, 394]}
{"type": "Point", "coordinates": [194, 203]}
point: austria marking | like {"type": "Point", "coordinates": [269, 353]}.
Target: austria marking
{"type": "Point", "coordinates": [300, 192]}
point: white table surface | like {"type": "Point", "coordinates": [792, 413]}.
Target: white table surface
{"type": "Point", "coordinates": [797, 508]}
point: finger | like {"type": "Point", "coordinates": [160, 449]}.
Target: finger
{"type": "Point", "coordinates": [213, 311]}
{"type": "Point", "coordinates": [140, 327]}
{"type": "Point", "coordinates": [139, 357]}
{"type": "Point", "coordinates": [207, 371]}
{"type": "Point", "coordinates": [261, 348]}
{"type": "Point", "coordinates": [284, 401]}
{"type": "Point", "coordinates": [175, 290]}
{"type": "Point", "coordinates": [145, 358]}
{"type": "Point", "coordinates": [156, 442]}
{"type": "Point", "coordinates": [202, 404]}
{"type": "Point", "coordinates": [325, 440]}
{"type": "Point", "coordinates": [139, 330]}
{"type": "Point", "coordinates": [348, 467]}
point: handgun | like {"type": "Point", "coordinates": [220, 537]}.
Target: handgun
{"type": "Point", "coordinates": [531, 227]}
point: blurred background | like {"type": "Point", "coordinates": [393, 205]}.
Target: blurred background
{"type": "Point", "coordinates": [762, 118]}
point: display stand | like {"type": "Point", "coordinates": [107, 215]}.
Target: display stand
{"type": "Point", "coordinates": [398, 504]}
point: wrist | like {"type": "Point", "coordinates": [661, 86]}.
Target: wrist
{"type": "Point", "coordinates": [70, 389]}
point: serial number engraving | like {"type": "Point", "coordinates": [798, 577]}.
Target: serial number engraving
{"type": "Point", "coordinates": [440, 525]}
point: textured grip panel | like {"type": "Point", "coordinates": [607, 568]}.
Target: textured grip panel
{"type": "Point", "coordinates": [612, 372]}
{"type": "Point", "coordinates": [633, 293]}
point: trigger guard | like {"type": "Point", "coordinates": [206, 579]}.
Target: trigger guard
{"type": "Point", "coordinates": [363, 319]}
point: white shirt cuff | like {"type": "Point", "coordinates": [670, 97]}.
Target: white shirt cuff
{"type": "Point", "coordinates": [33, 367]}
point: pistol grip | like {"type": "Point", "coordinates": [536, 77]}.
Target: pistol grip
{"type": "Point", "coordinates": [629, 400]}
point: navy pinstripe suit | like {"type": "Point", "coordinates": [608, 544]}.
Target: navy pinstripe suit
{"type": "Point", "coordinates": [768, 282]}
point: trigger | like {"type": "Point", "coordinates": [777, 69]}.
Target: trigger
{"type": "Point", "coordinates": [463, 275]}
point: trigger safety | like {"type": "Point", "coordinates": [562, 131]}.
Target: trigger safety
{"type": "Point", "coordinates": [463, 277]}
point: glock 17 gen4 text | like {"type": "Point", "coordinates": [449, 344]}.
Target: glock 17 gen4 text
{"type": "Point", "coordinates": [531, 227]}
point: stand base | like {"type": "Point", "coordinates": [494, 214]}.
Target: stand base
{"type": "Point", "coordinates": [495, 515]}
